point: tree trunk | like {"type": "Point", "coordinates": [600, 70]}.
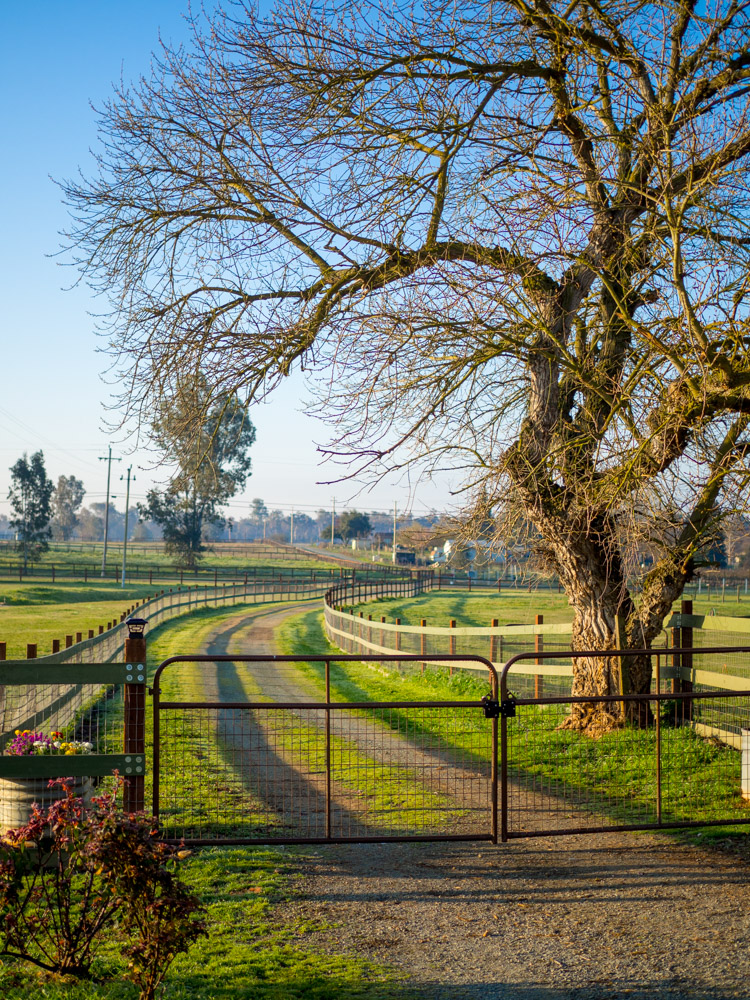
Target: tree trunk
{"type": "Point", "coordinates": [590, 569]}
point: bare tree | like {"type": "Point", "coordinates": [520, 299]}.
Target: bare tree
{"type": "Point", "coordinates": [510, 238]}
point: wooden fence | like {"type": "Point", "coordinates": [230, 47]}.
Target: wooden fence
{"type": "Point", "coordinates": [356, 631]}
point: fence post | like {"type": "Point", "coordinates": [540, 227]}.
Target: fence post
{"type": "Point", "coordinates": [30, 650]}
{"type": "Point", "coordinates": [676, 642]}
{"type": "Point", "coordinates": [538, 647]}
{"type": "Point", "coordinates": [134, 706]}
{"type": "Point", "coordinates": [686, 641]}
{"type": "Point", "coordinates": [68, 641]}
{"type": "Point", "coordinates": [398, 644]}
{"type": "Point", "coordinates": [451, 645]}
{"type": "Point", "coordinates": [3, 650]}
{"type": "Point", "coordinates": [56, 644]}
{"type": "Point", "coordinates": [493, 641]}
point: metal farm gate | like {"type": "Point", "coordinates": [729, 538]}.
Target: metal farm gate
{"type": "Point", "coordinates": [280, 764]}
{"type": "Point", "coordinates": [283, 766]}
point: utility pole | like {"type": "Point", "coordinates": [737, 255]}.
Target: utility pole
{"type": "Point", "coordinates": [291, 529]}
{"type": "Point", "coordinates": [125, 536]}
{"type": "Point", "coordinates": [108, 459]}
{"type": "Point", "coordinates": [333, 517]}
{"type": "Point", "coordinates": [394, 531]}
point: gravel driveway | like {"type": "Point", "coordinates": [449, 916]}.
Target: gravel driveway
{"type": "Point", "coordinates": [604, 915]}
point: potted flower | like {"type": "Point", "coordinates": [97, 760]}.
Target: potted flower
{"type": "Point", "coordinates": [18, 794]}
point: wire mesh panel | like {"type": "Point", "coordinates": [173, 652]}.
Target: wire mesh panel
{"type": "Point", "coordinates": [319, 770]}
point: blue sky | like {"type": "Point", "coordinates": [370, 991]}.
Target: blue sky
{"type": "Point", "coordinates": [56, 59]}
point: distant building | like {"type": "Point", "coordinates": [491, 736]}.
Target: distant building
{"type": "Point", "coordinates": [406, 557]}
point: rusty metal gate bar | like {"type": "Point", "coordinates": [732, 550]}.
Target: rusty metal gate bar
{"type": "Point", "coordinates": [541, 799]}
{"type": "Point", "coordinates": [487, 710]}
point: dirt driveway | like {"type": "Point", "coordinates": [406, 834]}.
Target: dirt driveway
{"type": "Point", "coordinates": [601, 916]}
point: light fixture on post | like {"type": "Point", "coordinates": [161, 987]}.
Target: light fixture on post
{"type": "Point", "coordinates": [136, 626]}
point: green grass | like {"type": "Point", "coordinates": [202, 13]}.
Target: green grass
{"type": "Point", "coordinates": [476, 608]}
{"type": "Point", "coordinates": [147, 556]}
{"type": "Point", "coordinates": [616, 775]}
{"type": "Point", "coordinates": [516, 606]}
{"type": "Point", "coordinates": [38, 613]}
{"type": "Point", "coordinates": [249, 954]}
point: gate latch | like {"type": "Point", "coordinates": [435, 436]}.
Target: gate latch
{"type": "Point", "coordinates": [494, 709]}
{"type": "Point", "coordinates": [508, 708]}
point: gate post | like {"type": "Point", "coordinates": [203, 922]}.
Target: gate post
{"type": "Point", "coordinates": [134, 705]}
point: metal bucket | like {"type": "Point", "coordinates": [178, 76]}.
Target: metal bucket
{"type": "Point", "coordinates": [17, 795]}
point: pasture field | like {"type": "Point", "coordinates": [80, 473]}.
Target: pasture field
{"type": "Point", "coordinates": [515, 607]}
{"type": "Point", "coordinates": [143, 556]}
{"type": "Point", "coordinates": [509, 606]}
{"type": "Point", "coordinates": [40, 613]}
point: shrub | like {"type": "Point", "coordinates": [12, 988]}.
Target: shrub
{"type": "Point", "coordinates": [71, 872]}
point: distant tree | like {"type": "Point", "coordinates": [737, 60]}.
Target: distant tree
{"type": "Point", "coordinates": [30, 498]}
{"type": "Point", "coordinates": [66, 501]}
{"type": "Point", "coordinates": [208, 440]}
{"type": "Point", "coordinates": [91, 523]}
{"type": "Point", "coordinates": [258, 513]}
{"type": "Point", "coordinates": [352, 524]}
{"type": "Point", "coordinates": [258, 509]}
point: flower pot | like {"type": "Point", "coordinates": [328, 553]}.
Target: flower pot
{"type": "Point", "coordinates": [17, 795]}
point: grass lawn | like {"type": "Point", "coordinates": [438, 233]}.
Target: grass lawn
{"type": "Point", "coordinates": [516, 607]}
{"type": "Point", "coordinates": [510, 607]}
{"type": "Point", "coordinates": [63, 556]}
{"type": "Point", "coordinates": [40, 613]}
